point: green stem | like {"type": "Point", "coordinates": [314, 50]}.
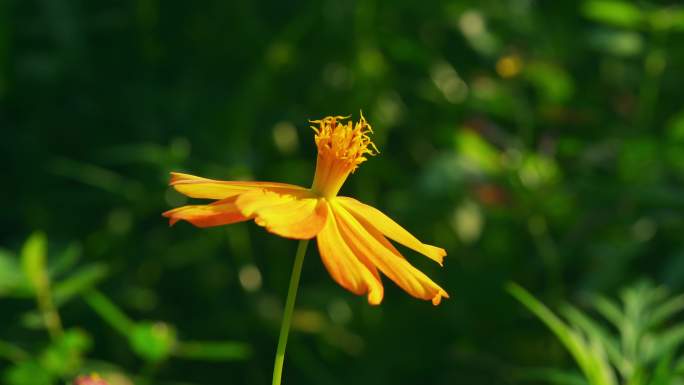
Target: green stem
{"type": "Point", "coordinates": [106, 309]}
{"type": "Point", "coordinates": [289, 309]}
{"type": "Point", "coordinates": [49, 312]}
{"type": "Point", "coordinates": [12, 352]}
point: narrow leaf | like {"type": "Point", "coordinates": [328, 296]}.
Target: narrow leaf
{"type": "Point", "coordinates": [213, 351]}
{"type": "Point", "coordinates": [570, 339]}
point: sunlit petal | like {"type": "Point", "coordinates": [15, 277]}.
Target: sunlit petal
{"type": "Point", "coordinates": [299, 216]}
{"type": "Point", "coordinates": [223, 212]}
{"type": "Point", "coordinates": [390, 228]}
{"type": "Point", "coordinates": [198, 187]}
{"type": "Point", "coordinates": [412, 280]}
{"type": "Point", "coordinates": [344, 267]}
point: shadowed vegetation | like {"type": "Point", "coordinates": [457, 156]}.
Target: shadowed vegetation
{"type": "Point", "coordinates": [537, 142]}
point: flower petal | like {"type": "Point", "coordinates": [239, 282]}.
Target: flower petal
{"type": "Point", "coordinates": [223, 212]}
{"type": "Point", "coordinates": [344, 267]}
{"type": "Point", "coordinates": [198, 187]}
{"type": "Point", "coordinates": [412, 280]}
{"type": "Point", "coordinates": [390, 228]}
{"type": "Point", "coordinates": [298, 216]}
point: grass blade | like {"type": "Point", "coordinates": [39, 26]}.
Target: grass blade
{"type": "Point", "coordinates": [590, 359]}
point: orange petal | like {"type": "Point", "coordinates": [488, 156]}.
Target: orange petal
{"type": "Point", "coordinates": [344, 267]}
{"type": "Point", "coordinates": [223, 212]}
{"type": "Point", "coordinates": [390, 228]}
{"type": "Point", "coordinates": [299, 216]}
{"type": "Point", "coordinates": [412, 280]}
{"type": "Point", "coordinates": [198, 187]}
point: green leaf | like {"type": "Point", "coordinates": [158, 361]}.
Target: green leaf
{"type": "Point", "coordinates": [78, 282]}
{"type": "Point", "coordinates": [679, 366]}
{"type": "Point", "coordinates": [552, 82]}
{"type": "Point", "coordinates": [666, 342]}
{"type": "Point", "coordinates": [602, 371]}
{"type": "Point", "coordinates": [595, 331]}
{"type": "Point", "coordinates": [12, 280]}
{"type": "Point", "coordinates": [106, 309]}
{"type": "Point", "coordinates": [213, 351]}
{"type": "Point", "coordinates": [477, 153]}
{"type": "Point", "coordinates": [637, 377]}
{"type": "Point", "coordinates": [12, 352]}
{"type": "Point", "coordinates": [65, 356]}
{"type": "Point", "coordinates": [665, 311]}
{"type": "Point", "coordinates": [538, 170]}
{"type": "Point", "coordinates": [33, 260]}
{"type": "Point", "coordinates": [613, 12]}
{"type": "Point", "coordinates": [617, 43]}
{"type": "Point", "coordinates": [667, 18]}
{"type": "Point", "coordinates": [609, 309]}
{"type": "Point", "coordinates": [663, 373]}
{"type": "Point", "coordinates": [153, 341]}
{"type": "Point", "coordinates": [81, 280]}
{"type": "Point", "coordinates": [589, 357]}
{"type": "Point", "coordinates": [65, 260]}
{"type": "Point", "coordinates": [28, 373]}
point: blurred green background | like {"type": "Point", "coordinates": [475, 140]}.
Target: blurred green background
{"type": "Point", "coordinates": [538, 142]}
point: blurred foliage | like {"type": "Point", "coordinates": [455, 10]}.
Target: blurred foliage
{"type": "Point", "coordinates": [645, 351]}
{"type": "Point", "coordinates": [539, 142]}
{"type": "Point", "coordinates": [63, 357]}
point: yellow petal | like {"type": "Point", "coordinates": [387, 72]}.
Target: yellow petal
{"type": "Point", "coordinates": [222, 212]}
{"type": "Point", "coordinates": [375, 218]}
{"type": "Point", "coordinates": [412, 280]}
{"type": "Point", "coordinates": [299, 216]}
{"type": "Point", "coordinates": [344, 267]}
{"type": "Point", "coordinates": [198, 187]}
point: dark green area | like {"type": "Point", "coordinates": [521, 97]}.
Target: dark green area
{"type": "Point", "coordinates": [540, 142]}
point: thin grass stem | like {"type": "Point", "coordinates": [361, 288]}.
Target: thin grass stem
{"type": "Point", "coordinates": [289, 309]}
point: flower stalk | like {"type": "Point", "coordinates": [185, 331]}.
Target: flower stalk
{"type": "Point", "coordinates": [289, 309]}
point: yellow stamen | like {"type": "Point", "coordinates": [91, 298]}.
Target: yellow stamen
{"type": "Point", "coordinates": [342, 147]}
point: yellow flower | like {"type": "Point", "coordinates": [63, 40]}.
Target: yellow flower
{"type": "Point", "coordinates": [351, 236]}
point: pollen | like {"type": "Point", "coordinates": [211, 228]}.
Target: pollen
{"type": "Point", "coordinates": [344, 141]}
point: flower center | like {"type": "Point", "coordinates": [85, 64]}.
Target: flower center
{"type": "Point", "coordinates": [342, 147]}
